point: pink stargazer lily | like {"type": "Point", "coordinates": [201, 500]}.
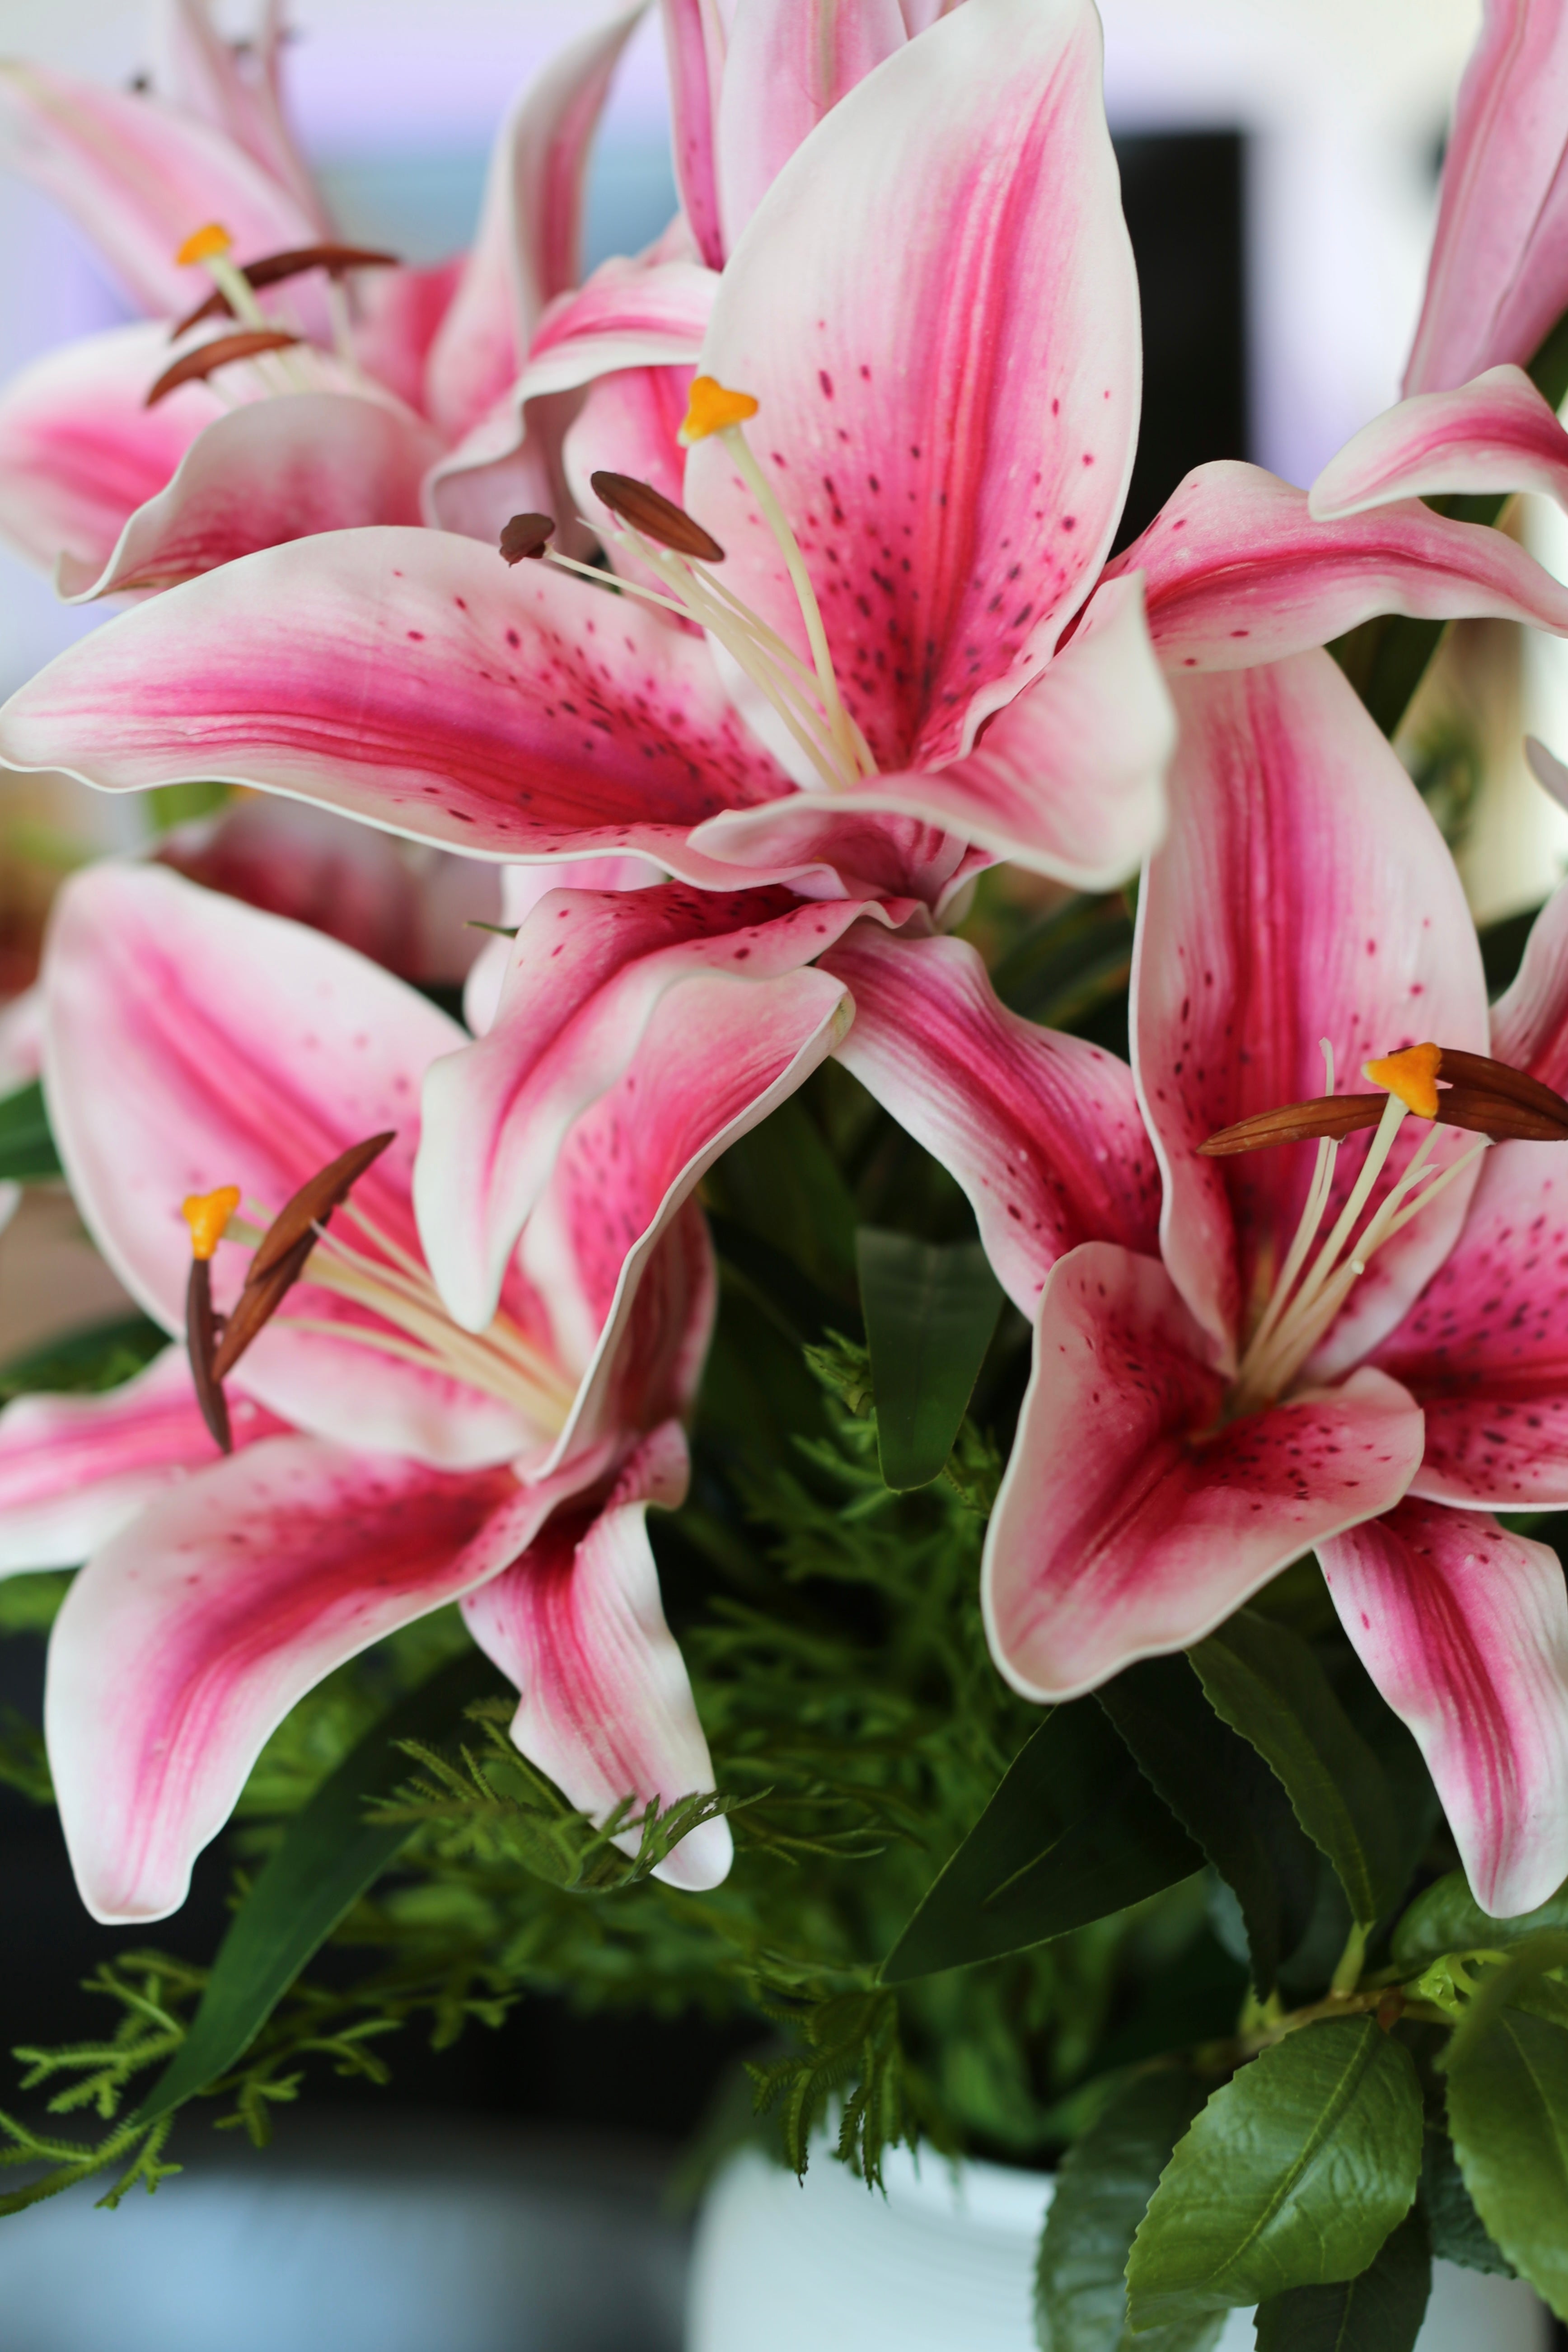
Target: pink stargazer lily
{"type": "Point", "coordinates": [1362, 1357]}
{"type": "Point", "coordinates": [384, 1462]}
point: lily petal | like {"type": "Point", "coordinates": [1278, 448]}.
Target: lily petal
{"type": "Point", "coordinates": [397, 313]}
{"type": "Point", "coordinates": [694, 50]}
{"type": "Point", "coordinates": [408, 679]}
{"type": "Point", "coordinates": [1239, 573]}
{"type": "Point", "coordinates": [202, 73]}
{"type": "Point", "coordinates": [1530, 1020]}
{"type": "Point", "coordinates": [1129, 1522]}
{"type": "Point", "coordinates": [947, 388]}
{"type": "Point", "coordinates": [1496, 434]}
{"type": "Point", "coordinates": [1041, 1130]}
{"type": "Point", "coordinates": [787, 64]}
{"type": "Point", "coordinates": [577, 1624]}
{"type": "Point", "coordinates": [1304, 892]}
{"type": "Point", "coordinates": [1464, 1629]}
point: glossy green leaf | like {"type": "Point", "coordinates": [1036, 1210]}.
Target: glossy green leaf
{"type": "Point", "coordinates": [1073, 1833]}
{"type": "Point", "coordinates": [782, 1183]}
{"type": "Point", "coordinates": [26, 1147]}
{"type": "Point", "coordinates": [1381, 2311]}
{"type": "Point", "coordinates": [85, 1362]}
{"type": "Point", "coordinates": [1226, 1797]}
{"type": "Point", "coordinates": [1103, 2192]}
{"type": "Point", "coordinates": [1293, 2176]}
{"type": "Point", "coordinates": [1508, 2111]}
{"type": "Point", "coordinates": [1448, 1918]}
{"type": "Point", "coordinates": [1458, 2233]}
{"type": "Point", "coordinates": [329, 1856]}
{"type": "Point", "coordinates": [930, 1314]}
{"type": "Point", "coordinates": [1268, 1684]}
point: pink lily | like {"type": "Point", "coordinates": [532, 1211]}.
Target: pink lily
{"type": "Point", "coordinates": [1367, 1372]}
{"type": "Point", "coordinates": [384, 1462]}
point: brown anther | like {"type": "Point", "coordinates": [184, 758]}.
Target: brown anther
{"type": "Point", "coordinates": [283, 1249]}
{"type": "Point", "coordinates": [656, 517]}
{"type": "Point", "coordinates": [202, 1340]}
{"type": "Point", "coordinates": [1335, 1115]}
{"type": "Point", "coordinates": [274, 267]}
{"type": "Point", "coordinates": [199, 364]}
{"type": "Point", "coordinates": [526, 536]}
{"type": "Point", "coordinates": [1497, 1100]}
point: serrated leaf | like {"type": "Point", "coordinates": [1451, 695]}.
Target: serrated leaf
{"type": "Point", "coordinates": [930, 1314]}
{"type": "Point", "coordinates": [1073, 1833]}
{"type": "Point", "coordinates": [1268, 1684]}
{"type": "Point", "coordinates": [1226, 1797]}
{"type": "Point", "coordinates": [1381, 2311]}
{"type": "Point", "coordinates": [329, 1856]}
{"type": "Point", "coordinates": [1507, 2112]}
{"type": "Point", "coordinates": [1292, 2176]}
{"type": "Point", "coordinates": [1103, 2192]}
{"type": "Point", "coordinates": [26, 1145]}
{"type": "Point", "coordinates": [1458, 2233]}
{"type": "Point", "coordinates": [1448, 1918]}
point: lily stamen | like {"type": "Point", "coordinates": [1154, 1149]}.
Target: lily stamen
{"type": "Point", "coordinates": [211, 247]}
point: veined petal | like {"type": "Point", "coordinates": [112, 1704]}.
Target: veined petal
{"type": "Point", "coordinates": [1238, 573]}
{"type": "Point", "coordinates": [1464, 1629]}
{"type": "Point", "coordinates": [75, 1469]}
{"type": "Point", "coordinates": [584, 1016]}
{"type": "Point", "coordinates": [187, 1638]}
{"type": "Point", "coordinates": [627, 424]}
{"type": "Point", "coordinates": [407, 677]}
{"type": "Point", "coordinates": [202, 73]}
{"type": "Point", "coordinates": [1496, 434]}
{"type": "Point", "coordinates": [272, 471]}
{"type": "Point", "coordinates": [694, 50]}
{"type": "Point", "coordinates": [139, 177]}
{"type": "Point", "coordinates": [948, 387]}
{"type": "Point", "coordinates": [397, 315]}
{"type": "Point", "coordinates": [1041, 1130]}
{"type": "Point", "coordinates": [1130, 1521]}
{"type": "Point", "coordinates": [577, 1624]}
{"type": "Point", "coordinates": [787, 64]}
{"type": "Point", "coordinates": [1304, 892]}
{"type": "Point", "coordinates": [192, 1042]}
{"type": "Point", "coordinates": [521, 888]}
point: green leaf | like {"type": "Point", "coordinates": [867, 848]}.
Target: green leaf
{"type": "Point", "coordinates": [85, 1362]}
{"type": "Point", "coordinates": [26, 1147]}
{"type": "Point", "coordinates": [1226, 1797]}
{"type": "Point", "coordinates": [1508, 2111]}
{"type": "Point", "coordinates": [329, 1856]}
{"type": "Point", "coordinates": [1448, 1918]}
{"type": "Point", "coordinates": [1268, 1684]}
{"type": "Point", "coordinates": [1381, 2311]}
{"type": "Point", "coordinates": [1101, 2194]}
{"type": "Point", "coordinates": [1293, 2176]}
{"type": "Point", "coordinates": [782, 1183]}
{"type": "Point", "coordinates": [930, 1314]}
{"type": "Point", "coordinates": [1458, 2233]}
{"type": "Point", "coordinates": [1069, 963]}
{"type": "Point", "coordinates": [1073, 1833]}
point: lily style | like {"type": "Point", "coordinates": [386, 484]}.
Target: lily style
{"type": "Point", "coordinates": [1247, 1346]}
{"type": "Point", "coordinates": [235, 1102]}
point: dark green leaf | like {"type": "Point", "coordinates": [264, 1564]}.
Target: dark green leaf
{"type": "Point", "coordinates": [26, 1147]}
{"type": "Point", "coordinates": [1226, 1797]}
{"type": "Point", "coordinates": [1080, 954]}
{"type": "Point", "coordinates": [1508, 2111]}
{"type": "Point", "coordinates": [798, 1308]}
{"type": "Point", "coordinates": [1448, 1918]}
{"type": "Point", "coordinates": [930, 1314]}
{"type": "Point", "coordinates": [1381, 2311]}
{"type": "Point", "coordinates": [1073, 1831]}
{"type": "Point", "coordinates": [780, 1183]}
{"type": "Point", "coordinates": [1101, 2194]}
{"type": "Point", "coordinates": [329, 1856]}
{"type": "Point", "coordinates": [1268, 1684]}
{"type": "Point", "coordinates": [85, 1362]}
{"type": "Point", "coordinates": [1458, 2233]}
{"type": "Point", "coordinates": [1293, 2176]}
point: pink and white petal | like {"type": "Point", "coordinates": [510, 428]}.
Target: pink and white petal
{"type": "Point", "coordinates": [262, 475]}
{"type": "Point", "coordinates": [187, 1638]}
{"type": "Point", "coordinates": [694, 41]}
{"type": "Point", "coordinates": [139, 177]}
{"type": "Point", "coordinates": [80, 450]}
{"type": "Point", "coordinates": [1304, 892]}
{"type": "Point", "coordinates": [521, 888]}
{"type": "Point", "coordinates": [788, 62]}
{"type": "Point", "coordinates": [1530, 1020]}
{"type": "Point", "coordinates": [1041, 1130]}
{"type": "Point", "coordinates": [1238, 573]}
{"type": "Point", "coordinates": [21, 1039]}
{"type": "Point", "coordinates": [628, 424]}
{"type": "Point", "coordinates": [583, 1012]}
{"type": "Point", "coordinates": [1130, 1522]}
{"type": "Point", "coordinates": [578, 1625]}
{"type": "Point", "coordinates": [74, 1470]}
{"type": "Point", "coordinates": [1498, 282]}
{"type": "Point", "coordinates": [1464, 1629]}
{"type": "Point", "coordinates": [396, 315]}
{"type": "Point", "coordinates": [236, 91]}
{"type": "Point", "coordinates": [192, 1042]}
{"type": "Point", "coordinates": [408, 679]}
{"type": "Point", "coordinates": [1497, 433]}
{"type": "Point", "coordinates": [648, 1363]}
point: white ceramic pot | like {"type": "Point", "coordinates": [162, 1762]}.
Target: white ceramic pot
{"type": "Point", "coordinates": [945, 2263]}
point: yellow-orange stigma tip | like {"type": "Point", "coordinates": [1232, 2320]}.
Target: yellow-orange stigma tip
{"type": "Point", "coordinates": [711, 407]}
{"type": "Point", "coordinates": [204, 244]}
{"type": "Point", "coordinates": [1412, 1076]}
{"type": "Point", "coordinates": [207, 1214]}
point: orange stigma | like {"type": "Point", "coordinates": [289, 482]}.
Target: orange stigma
{"type": "Point", "coordinates": [712, 408]}
{"type": "Point", "coordinates": [208, 1216]}
{"type": "Point", "coordinates": [204, 244]}
{"type": "Point", "coordinates": [1412, 1076]}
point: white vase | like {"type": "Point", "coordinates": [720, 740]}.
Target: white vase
{"type": "Point", "coordinates": [945, 2263]}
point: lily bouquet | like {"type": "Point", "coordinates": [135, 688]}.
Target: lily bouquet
{"type": "Point", "coordinates": [1095, 1688]}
